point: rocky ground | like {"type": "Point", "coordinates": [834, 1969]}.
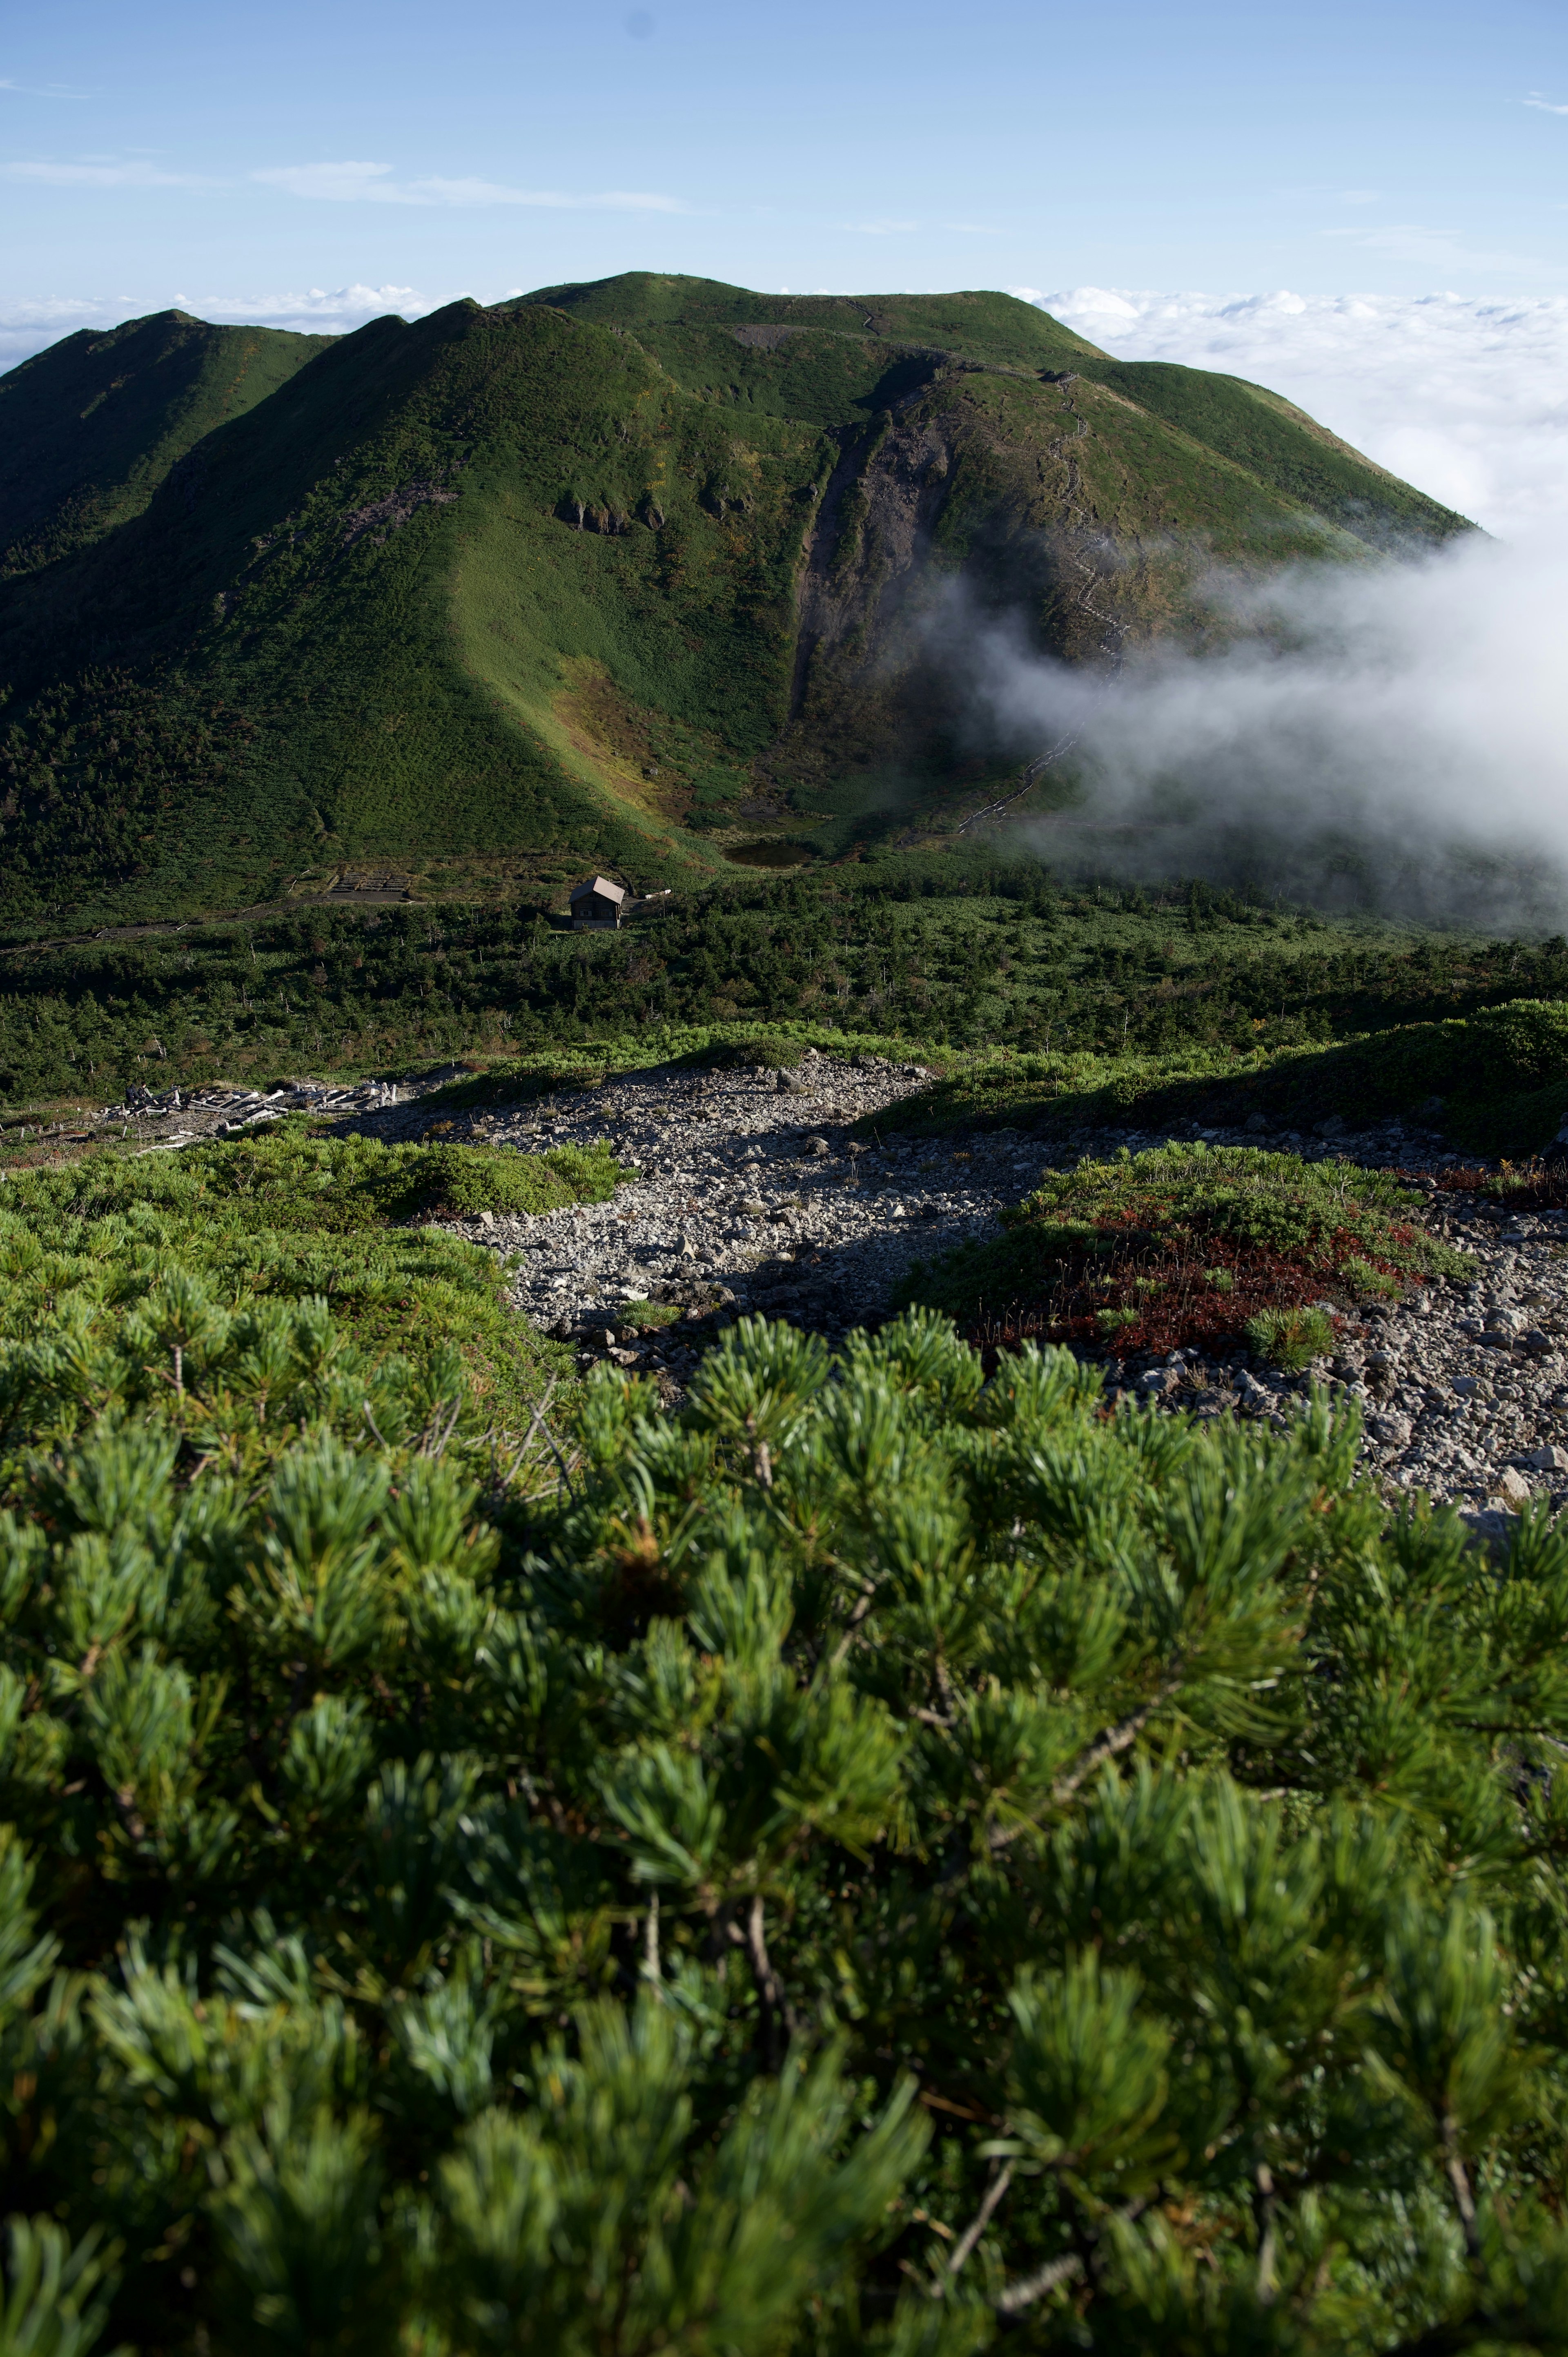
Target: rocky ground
{"type": "Point", "coordinates": [752, 1196]}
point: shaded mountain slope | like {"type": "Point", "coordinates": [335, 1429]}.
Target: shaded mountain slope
{"type": "Point", "coordinates": [602, 577]}
{"type": "Point", "coordinates": [89, 428]}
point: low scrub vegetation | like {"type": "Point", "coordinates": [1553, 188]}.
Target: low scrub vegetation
{"type": "Point", "coordinates": [888, 1858]}
{"type": "Point", "coordinates": [896, 1856]}
{"type": "Point", "coordinates": [1084, 989]}
{"type": "Point", "coordinates": [1184, 1245]}
{"type": "Point", "coordinates": [240, 1293]}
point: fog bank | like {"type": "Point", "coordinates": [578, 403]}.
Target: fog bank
{"type": "Point", "coordinates": [1394, 737]}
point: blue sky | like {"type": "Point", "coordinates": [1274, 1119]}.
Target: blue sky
{"type": "Point", "coordinates": [231, 157]}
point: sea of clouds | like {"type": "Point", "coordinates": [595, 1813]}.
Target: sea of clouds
{"type": "Point", "coordinates": [28, 327]}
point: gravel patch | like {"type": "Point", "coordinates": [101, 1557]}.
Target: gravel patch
{"type": "Point", "coordinates": [753, 1199]}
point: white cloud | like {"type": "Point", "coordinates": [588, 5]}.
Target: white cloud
{"type": "Point", "coordinates": [1545, 105]}
{"type": "Point", "coordinates": [1467, 397]}
{"type": "Point", "coordinates": [335, 310]}
{"type": "Point", "coordinates": [27, 328]}
{"type": "Point", "coordinates": [42, 90]}
{"type": "Point", "coordinates": [365, 183]}
{"type": "Point", "coordinates": [53, 308]}
{"type": "Point", "coordinates": [1409, 710]}
{"type": "Point", "coordinates": [98, 173]}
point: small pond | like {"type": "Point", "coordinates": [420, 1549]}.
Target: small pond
{"type": "Point", "coordinates": [771, 853]}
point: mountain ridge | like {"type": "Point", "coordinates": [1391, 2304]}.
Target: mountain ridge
{"type": "Point", "coordinates": [69, 475]}
{"type": "Point", "coordinates": [604, 575]}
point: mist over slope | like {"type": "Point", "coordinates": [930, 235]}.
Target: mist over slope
{"type": "Point", "coordinates": [1392, 737]}
{"type": "Point", "coordinates": [622, 574]}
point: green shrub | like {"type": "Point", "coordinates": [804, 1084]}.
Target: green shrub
{"type": "Point", "coordinates": [763, 1052]}
{"type": "Point", "coordinates": [1377, 1281]}
{"type": "Point", "coordinates": [243, 1292]}
{"type": "Point", "coordinates": [1289, 1339]}
{"type": "Point", "coordinates": [649, 1316]}
{"type": "Point", "coordinates": [882, 1798]}
{"type": "Point", "coordinates": [1182, 1243]}
{"type": "Point", "coordinates": [290, 1179]}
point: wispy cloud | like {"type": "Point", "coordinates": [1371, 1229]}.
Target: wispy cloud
{"type": "Point", "coordinates": [100, 175]}
{"type": "Point", "coordinates": [882, 228]}
{"type": "Point", "coordinates": [334, 308]}
{"type": "Point", "coordinates": [376, 184]}
{"type": "Point", "coordinates": [1547, 105]}
{"type": "Point", "coordinates": [40, 89]}
{"type": "Point", "coordinates": [51, 310]}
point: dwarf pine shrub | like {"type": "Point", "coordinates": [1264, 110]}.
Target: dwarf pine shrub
{"type": "Point", "coordinates": [890, 1857]}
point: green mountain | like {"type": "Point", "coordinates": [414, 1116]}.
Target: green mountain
{"type": "Point", "coordinates": [89, 428]}
{"type": "Point", "coordinates": [616, 575]}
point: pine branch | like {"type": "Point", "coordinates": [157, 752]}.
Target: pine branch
{"type": "Point", "coordinates": [1068, 2269]}
{"type": "Point", "coordinates": [869, 1597]}
{"type": "Point", "coordinates": [1264, 2212]}
{"type": "Point", "coordinates": [981, 2220]}
{"type": "Point", "coordinates": [1025, 2293]}
{"type": "Point", "coordinates": [1108, 1746]}
{"type": "Point", "coordinates": [772, 2005]}
{"type": "Point", "coordinates": [1459, 2178]}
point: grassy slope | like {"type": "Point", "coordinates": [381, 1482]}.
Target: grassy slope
{"type": "Point", "coordinates": [524, 588]}
{"type": "Point", "coordinates": [1283, 446]}
{"type": "Point", "coordinates": [846, 355]}
{"type": "Point", "coordinates": [89, 428]}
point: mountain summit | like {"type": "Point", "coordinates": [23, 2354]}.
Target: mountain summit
{"type": "Point", "coordinates": [611, 576]}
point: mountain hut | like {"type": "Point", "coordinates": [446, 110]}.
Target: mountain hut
{"type": "Point", "coordinates": [597, 902]}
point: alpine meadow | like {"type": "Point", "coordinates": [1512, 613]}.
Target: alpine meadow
{"type": "Point", "coordinates": [782, 1546]}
